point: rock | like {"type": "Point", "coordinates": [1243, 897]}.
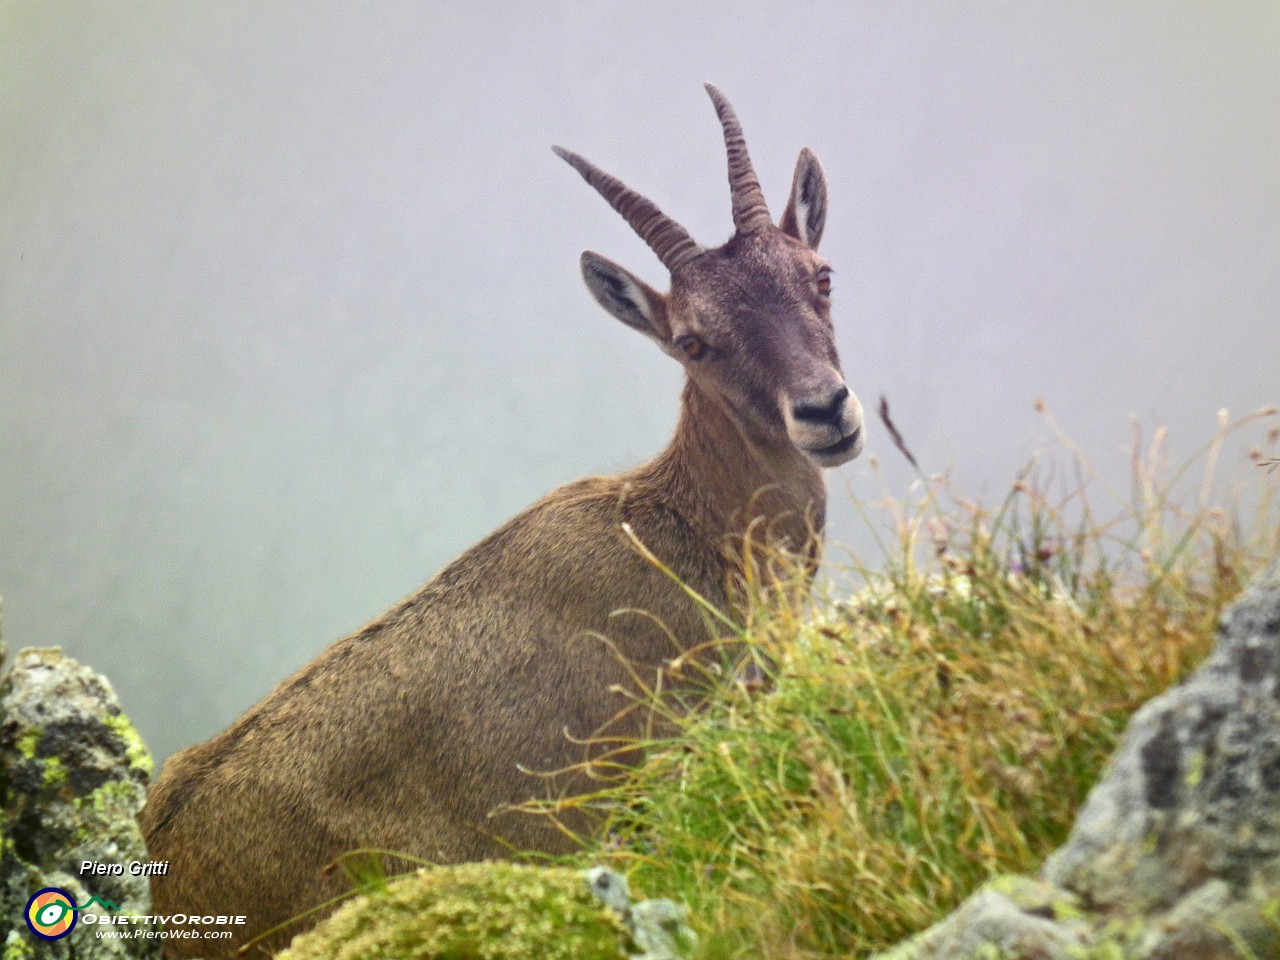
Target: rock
{"type": "Point", "coordinates": [610, 888]}
{"type": "Point", "coordinates": [659, 928]}
{"type": "Point", "coordinates": [497, 911]}
{"type": "Point", "coordinates": [1009, 917]}
{"type": "Point", "coordinates": [73, 777]}
{"type": "Point", "coordinates": [1176, 853]}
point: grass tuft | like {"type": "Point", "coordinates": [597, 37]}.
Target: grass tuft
{"type": "Point", "coordinates": [873, 760]}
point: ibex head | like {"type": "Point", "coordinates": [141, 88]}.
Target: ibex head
{"type": "Point", "coordinates": [750, 320]}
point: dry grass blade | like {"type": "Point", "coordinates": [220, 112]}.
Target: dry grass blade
{"type": "Point", "coordinates": [894, 434]}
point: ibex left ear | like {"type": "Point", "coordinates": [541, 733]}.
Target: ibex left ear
{"type": "Point", "coordinates": [627, 297]}
{"type": "Point", "coordinates": [806, 212]}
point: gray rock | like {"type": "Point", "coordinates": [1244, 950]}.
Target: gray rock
{"type": "Point", "coordinates": [73, 777]}
{"type": "Point", "coordinates": [659, 928]}
{"type": "Point", "coordinates": [1176, 854]}
{"type": "Point", "coordinates": [1010, 917]}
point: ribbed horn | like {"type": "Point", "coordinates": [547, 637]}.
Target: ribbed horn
{"type": "Point", "coordinates": [749, 210]}
{"type": "Point", "coordinates": [670, 241]}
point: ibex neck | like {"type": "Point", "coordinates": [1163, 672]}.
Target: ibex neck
{"type": "Point", "coordinates": [730, 484]}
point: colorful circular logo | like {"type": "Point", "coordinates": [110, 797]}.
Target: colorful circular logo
{"type": "Point", "coordinates": [51, 913]}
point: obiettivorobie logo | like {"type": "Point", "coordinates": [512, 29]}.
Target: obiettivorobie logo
{"type": "Point", "coordinates": [52, 912]}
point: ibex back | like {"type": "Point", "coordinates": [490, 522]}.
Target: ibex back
{"type": "Point", "coordinates": [408, 734]}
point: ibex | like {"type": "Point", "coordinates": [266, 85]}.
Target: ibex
{"type": "Point", "coordinates": [408, 734]}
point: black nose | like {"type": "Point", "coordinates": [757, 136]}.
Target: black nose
{"type": "Point", "coordinates": [823, 412]}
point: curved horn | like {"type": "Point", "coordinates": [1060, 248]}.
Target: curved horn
{"type": "Point", "coordinates": [670, 241]}
{"type": "Point", "coordinates": [749, 210]}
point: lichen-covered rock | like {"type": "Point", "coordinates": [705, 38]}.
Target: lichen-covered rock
{"type": "Point", "coordinates": [73, 777]}
{"type": "Point", "coordinates": [482, 911]}
{"type": "Point", "coordinates": [1193, 793]}
{"type": "Point", "coordinates": [1176, 854]}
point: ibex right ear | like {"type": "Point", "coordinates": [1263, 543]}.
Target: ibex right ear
{"type": "Point", "coordinates": [806, 212]}
{"type": "Point", "coordinates": [627, 297]}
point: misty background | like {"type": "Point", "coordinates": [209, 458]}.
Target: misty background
{"type": "Point", "coordinates": [290, 312]}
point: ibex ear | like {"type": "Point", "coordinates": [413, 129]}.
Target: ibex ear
{"type": "Point", "coordinates": [806, 212]}
{"type": "Point", "coordinates": [627, 297]}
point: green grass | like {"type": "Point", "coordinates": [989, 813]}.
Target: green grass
{"type": "Point", "coordinates": [888, 753]}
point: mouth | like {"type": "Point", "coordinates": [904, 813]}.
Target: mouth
{"type": "Point", "coordinates": [844, 449]}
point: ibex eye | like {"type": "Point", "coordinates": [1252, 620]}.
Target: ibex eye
{"type": "Point", "coordinates": [824, 283]}
{"type": "Point", "coordinates": [693, 348]}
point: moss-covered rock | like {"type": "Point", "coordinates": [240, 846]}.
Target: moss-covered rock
{"type": "Point", "coordinates": [495, 911]}
{"type": "Point", "coordinates": [73, 776]}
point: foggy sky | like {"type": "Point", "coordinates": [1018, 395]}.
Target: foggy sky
{"type": "Point", "coordinates": [290, 312]}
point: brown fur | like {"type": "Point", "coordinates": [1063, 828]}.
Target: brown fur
{"type": "Point", "coordinates": [410, 733]}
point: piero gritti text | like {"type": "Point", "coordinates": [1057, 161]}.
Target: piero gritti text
{"type": "Point", "coordinates": [135, 868]}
